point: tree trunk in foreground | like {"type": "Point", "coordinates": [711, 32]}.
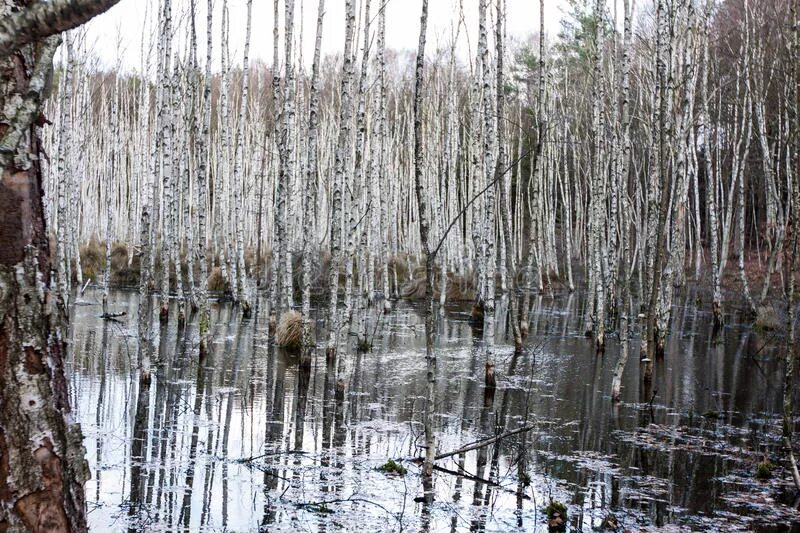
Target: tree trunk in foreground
{"type": "Point", "coordinates": [42, 465]}
{"type": "Point", "coordinates": [791, 270]}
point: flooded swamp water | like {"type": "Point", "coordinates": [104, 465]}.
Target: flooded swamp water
{"type": "Point", "coordinates": [254, 438]}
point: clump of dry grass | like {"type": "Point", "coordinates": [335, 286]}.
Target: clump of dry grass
{"type": "Point", "coordinates": [250, 263]}
{"type": "Point", "coordinates": [767, 318]}
{"type": "Point", "coordinates": [216, 282]}
{"type": "Point", "coordinates": [93, 259]}
{"type": "Point", "coordinates": [460, 287]}
{"type": "Point", "coordinates": [414, 289]}
{"type": "Point", "coordinates": [289, 333]}
{"type": "Point", "coordinates": [399, 264]}
{"type": "Point", "coordinates": [122, 273]}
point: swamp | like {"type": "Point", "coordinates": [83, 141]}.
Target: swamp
{"type": "Point", "coordinates": [399, 265]}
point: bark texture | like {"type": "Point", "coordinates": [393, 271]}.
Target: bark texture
{"type": "Point", "coordinates": [42, 465]}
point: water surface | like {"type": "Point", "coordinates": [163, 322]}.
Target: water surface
{"type": "Point", "coordinates": [255, 438]}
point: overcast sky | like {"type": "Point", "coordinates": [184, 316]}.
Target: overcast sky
{"type": "Point", "coordinates": [130, 20]}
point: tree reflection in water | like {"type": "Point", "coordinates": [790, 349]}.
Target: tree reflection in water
{"type": "Point", "coordinates": [256, 437]}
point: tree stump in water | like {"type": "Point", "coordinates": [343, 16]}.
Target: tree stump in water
{"type": "Point", "coordinates": [476, 318]}
{"type": "Point", "coordinates": [491, 382]}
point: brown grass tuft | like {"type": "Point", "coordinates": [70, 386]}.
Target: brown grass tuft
{"type": "Point", "coordinates": [477, 312]}
{"type": "Point", "coordinates": [123, 274]}
{"type": "Point", "coordinates": [289, 333]}
{"type": "Point", "coordinates": [93, 259]}
{"type": "Point", "coordinates": [399, 264]}
{"type": "Point", "coordinates": [767, 318]}
{"type": "Point", "coordinates": [414, 289]}
{"type": "Point", "coordinates": [460, 287]}
{"type": "Point", "coordinates": [216, 282]}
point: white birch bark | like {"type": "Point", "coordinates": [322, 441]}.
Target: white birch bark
{"type": "Point", "coordinates": [166, 159]}
{"type": "Point", "coordinates": [340, 178]}
{"type": "Point", "coordinates": [204, 318]}
{"type": "Point", "coordinates": [424, 229]}
{"type": "Point", "coordinates": [624, 306]}
{"type": "Point", "coordinates": [310, 206]}
{"type": "Point", "coordinates": [289, 151]}
{"type": "Point", "coordinates": [65, 177]}
{"type": "Point", "coordinates": [238, 178]}
{"type": "Point", "coordinates": [710, 172]}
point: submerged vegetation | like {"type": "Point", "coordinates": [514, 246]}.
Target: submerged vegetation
{"type": "Point", "coordinates": [764, 470]}
{"type": "Point", "coordinates": [557, 517]}
{"type": "Point", "coordinates": [392, 467]}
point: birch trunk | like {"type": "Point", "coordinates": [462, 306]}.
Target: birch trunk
{"type": "Point", "coordinates": [380, 146]}
{"type": "Point", "coordinates": [661, 182]}
{"type": "Point", "coordinates": [310, 198]}
{"type": "Point", "coordinates": [42, 465]}
{"type": "Point", "coordinates": [624, 306]}
{"type": "Point", "coordinates": [166, 158]}
{"type": "Point", "coordinates": [533, 203]}
{"type": "Point", "coordinates": [340, 173]}
{"type": "Point", "coordinates": [424, 229]}
{"type": "Point", "coordinates": [488, 170]}
{"type": "Point", "coordinates": [289, 152]}
{"type": "Point", "coordinates": [64, 278]}
{"type": "Point", "coordinates": [238, 179]}
{"type": "Point", "coordinates": [792, 256]}
{"type": "Point", "coordinates": [598, 191]}
{"type": "Point", "coordinates": [710, 174]}
{"type": "Point", "coordinates": [202, 190]}
{"type": "Point", "coordinates": [110, 207]}
{"type": "Point", "coordinates": [502, 178]}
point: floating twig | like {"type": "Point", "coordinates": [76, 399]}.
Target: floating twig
{"type": "Point", "coordinates": [481, 444]}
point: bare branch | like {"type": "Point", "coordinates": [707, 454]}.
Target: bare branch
{"type": "Point", "coordinates": [46, 18]}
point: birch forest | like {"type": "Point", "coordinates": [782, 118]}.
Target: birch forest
{"type": "Point", "coordinates": [256, 279]}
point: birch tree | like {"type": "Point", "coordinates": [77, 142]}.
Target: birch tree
{"type": "Point", "coordinates": [424, 229]}
{"type": "Point", "coordinates": [791, 254]}
{"type": "Point", "coordinates": [623, 167]}
{"type": "Point", "coordinates": [340, 173]}
{"type": "Point", "coordinates": [238, 179]}
{"type": "Point", "coordinates": [311, 169]}
{"type": "Point", "coordinates": [42, 454]}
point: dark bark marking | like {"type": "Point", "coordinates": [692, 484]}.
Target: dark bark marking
{"type": "Point", "coordinates": [12, 240]}
{"type": "Point", "coordinates": [33, 361]}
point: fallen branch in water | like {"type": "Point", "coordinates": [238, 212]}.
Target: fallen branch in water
{"type": "Point", "coordinates": [471, 477]}
{"type": "Point", "coordinates": [244, 460]}
{"type": "Point", "coordinates": [322, 506]}
{"type": "Point", "coordinates": [481, 444]}
{"type": "Point", "coordinates": [112, 316]}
